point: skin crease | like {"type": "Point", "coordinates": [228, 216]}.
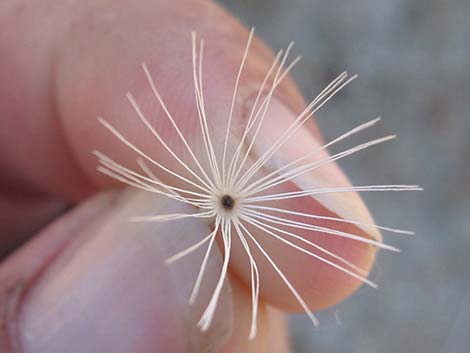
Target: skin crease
{"type": "Point", "coordinates": [86, 57]}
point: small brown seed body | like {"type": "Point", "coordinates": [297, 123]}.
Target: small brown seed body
{"type": "Point", "coordinates": [227, 202]}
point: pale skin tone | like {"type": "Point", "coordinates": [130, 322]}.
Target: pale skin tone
{"type": "Point", "coordinates": [62, 64]}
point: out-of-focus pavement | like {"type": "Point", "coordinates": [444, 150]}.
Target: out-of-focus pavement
{"type": "Point", "coordinates": [413, 58]}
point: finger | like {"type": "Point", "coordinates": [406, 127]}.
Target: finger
{"type": "Point", "coordinates": [278, 331]}
{"type": "Point", "coordinates": [272, 329]}
{"type": "Point", "coordinates": [97, 283]}
{"type": "Point", "coordinates": [97, 61]}
{"type": "Point", "coordinates": [21, 217]}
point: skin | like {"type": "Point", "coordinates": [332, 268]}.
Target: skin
{"type": "Point", "coordinates": [62, 64]}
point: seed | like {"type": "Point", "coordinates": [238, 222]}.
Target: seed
{"type": "Point", "coordinates": [227, 202]}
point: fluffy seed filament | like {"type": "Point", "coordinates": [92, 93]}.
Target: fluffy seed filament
{"type": "Point", "coordinates": [226, 189]}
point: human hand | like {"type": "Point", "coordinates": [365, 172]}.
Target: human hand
{"type": "Point", "coordinates": [91, 281]}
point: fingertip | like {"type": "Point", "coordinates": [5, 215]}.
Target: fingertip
{"type": "Point", "coordinates": [109, 290]}
{"type": "Point", "coordinates": [323, 241]}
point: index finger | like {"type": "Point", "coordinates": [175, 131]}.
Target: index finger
{"type": "Point", "coordinates": [90, 58]}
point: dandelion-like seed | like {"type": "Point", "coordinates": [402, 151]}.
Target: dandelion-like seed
{"type": "Point", "coordinates": [230, 194]}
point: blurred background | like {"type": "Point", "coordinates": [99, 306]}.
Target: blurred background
{"type": "Point", "coordinates": [413, 61]}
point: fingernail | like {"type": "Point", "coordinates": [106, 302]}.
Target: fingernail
{"type": "Point", "coordinates": [111, 291]}
{"type": "Point", "coordinates": [346, 205]}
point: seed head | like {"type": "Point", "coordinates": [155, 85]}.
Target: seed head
{"type": "Point", "coordinates": [230, 192]}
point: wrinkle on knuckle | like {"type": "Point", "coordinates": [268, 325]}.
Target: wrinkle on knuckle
{"type": "Point", "coordinates": [12, 291]}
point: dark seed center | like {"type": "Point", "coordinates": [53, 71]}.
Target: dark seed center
{"type": "Point", "coordinates": [228, 202]}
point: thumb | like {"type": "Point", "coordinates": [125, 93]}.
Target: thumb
{"type": "Point", "coordinates": [90, 57]}
{"type": "Point", "coordinates": [96, 282]}
{"type": "Point", "coordinates": [94, 76]}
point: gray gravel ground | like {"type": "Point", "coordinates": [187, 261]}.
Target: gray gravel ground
{"type": "Point", "coordinates": [413, 58]}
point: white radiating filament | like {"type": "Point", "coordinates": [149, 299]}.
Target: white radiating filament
{"type": "Point", "coordinates": [233, 175]}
